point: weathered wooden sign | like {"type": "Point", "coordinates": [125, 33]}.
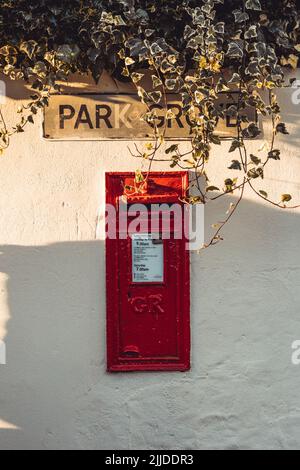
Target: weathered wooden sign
{"type": "Point", "coordinates": [119, 117]}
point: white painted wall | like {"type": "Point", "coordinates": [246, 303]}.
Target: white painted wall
{"type": "Point", "coordinates": [242, 391]}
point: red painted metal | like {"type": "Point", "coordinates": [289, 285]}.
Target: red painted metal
{"type": "Point", "coordinates": [148, 324]}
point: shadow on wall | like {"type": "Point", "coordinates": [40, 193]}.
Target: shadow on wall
{"type": "Point", "coordinates": [56, 335]}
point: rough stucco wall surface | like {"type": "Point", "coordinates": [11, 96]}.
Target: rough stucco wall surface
{"type": "Point", "coordinates": [242, 391]}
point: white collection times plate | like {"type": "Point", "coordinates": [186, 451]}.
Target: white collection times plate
{"type": "Point", "coordinates": [147, 258]}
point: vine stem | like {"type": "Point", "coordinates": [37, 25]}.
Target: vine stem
{"type": "Point", "coordinates": [215, 238]}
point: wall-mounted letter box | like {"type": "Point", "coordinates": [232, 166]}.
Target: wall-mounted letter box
{"type": "Point", "coordinates": [148, 273]}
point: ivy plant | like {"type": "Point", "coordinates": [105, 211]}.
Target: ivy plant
{"type": "Point", "coordinates": [198, 49]}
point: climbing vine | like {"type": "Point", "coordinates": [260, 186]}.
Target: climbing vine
{"type": "Point", "coordinates": [199, 50]}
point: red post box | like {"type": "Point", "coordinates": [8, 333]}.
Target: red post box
{"type": "Point", "coordinates": [148, 273]}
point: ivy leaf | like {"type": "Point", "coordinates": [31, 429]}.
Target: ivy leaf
{"type": "Point", "coordinates": [286, 198]}
{"type": "Point", "coordinates": [229, 184]}
{"type": "Point", "coordinates": [255, 159]}
{"type": "Point", "coordinates": [136, 47]}
{"type": "Point", "coordinates": [215, 139]}
{"type": "Point", "coordinates": [232, 111]}
{"type": "Point", "coordinates": [292, 60]}
{"type": "Point", "coordinates": [136, 77]}
{"type": "Point", "coordinates": [256, 173]}
{"type": "Point", "coordinates": [156, 81]}
{"type": "Point", "coordinates": [155, 49]}
{"type": "Point", "coordinates": [149, 32]}
{"type": "Point", "coordinates": [281, 127]}
{"type": "Point", "coordinates": [142, 94]}
{"type": "Point", "coordinates": [235, 145]}
{"type": "Point", "coordinates": [68, 53]}
{"type": "Point", "coordinates": [19, 128]}
{"type": "Point", "coordinates": [235, 51]}
{"type": "Point", "coordinates": [274, 154]}
{"type": "Point", "coordinates": [171, 84]}
{"type": "Point", "coordinates": [125, 72]}
{"type": "Point", "coordinates": [129, 61]}
{"type": "Point", "coordinates": [198, 17]}
{"type": "Point", "coordinates": [251, 32]}
{"type": "Point", "coordinates": [8, 50]}
{"type": "Point", "coordinates": [240, 16]}
{"type": "Point", "coordinates": [251, 131]}
{"type": "Point", "coordinates": [118, 21]}
{"type": "Point", "coordinates": [172, 149]}
{"type": "Point", "coordinates": [166, 66]}
{"type": "Point", "coordinates": [155, 96]}
{"type": "Point", "coordinates": [139, 177]}
{"type": "Point", "coordinates": [29, 47]}
{"type": "Point", "coordinates": [40, 69]}
{"type": "Point", "coordinates": [220, 28]}
{"type": "Point", "coordinates": [235, 165]}
{"type": "Point", "coordinates": [253, 5]}
{"type": "Point", "coordinates": [199, 96]}
{"type": "Point", "coordinates": [235, 78]}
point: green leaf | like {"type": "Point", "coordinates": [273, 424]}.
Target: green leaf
{"type": "Point", "coordinates": [251, 131]}
{"type": "Point", "coordinates": [229, 183]}
{"type": "Point", "coordinates": [29, 47]}
{"type": "Point", "coordinates": [142, 94]}
{"type": "Point", "coordinates": [281, 128]}
{"type": "Point", "coordinates": [68, 53]}
{"type": "Point", "coordinates": [256, 173]}
{"type": "Point", "coordinates": [40, 69]}
{"type": "Point", "coordinates": [136, 77]}
{"type": "Point", "coordinates": [139, 177]}
{"type": "Point", "coordinates": [240, 16]}
{"type": "Point", "coordinates": [155, 96]}
{"type": "Point", "coordinates": [171, 84]}
{"type": "Point", "coordinates": [212, 188]}
{"type": "Point", "coordinates": [215, 139]}
{"type": "Point", "coordinates": [253, 5]}
{"type": "Point", "coordinates": [274, 154]}
{"type": "Point", "coordinates": [156, 81]}
{"type": "Point", "coordinates": [251, 33]}
{"type": "Point", "coordinates": [129, 61]}
{"type": "Point", "coordinates": [286, 198]}
{"type": "Point", "coordinates": [235, 145]}
{"type": "Point", "coordinates": [172, 149]}
{"type": "Point", "coordinates": [149, 32]}
{"type": "Point", "coordinates": [235, 165]}
{"type": "Point", "coordinates": [263, 193]}
{"type": "Point", "coordinates": [118, 21]}
{"type": "Point", "coordinates": [166, 66]}
{"type": "Point", "coordinates": [255, 159]}
{"type": "Point", "coordinates": [236, 78]}
{"type": "Point", "coordinates": [235, 50]}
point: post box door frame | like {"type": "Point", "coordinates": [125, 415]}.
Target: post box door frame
{"type": "Point", "coordinates": [114, 362]}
